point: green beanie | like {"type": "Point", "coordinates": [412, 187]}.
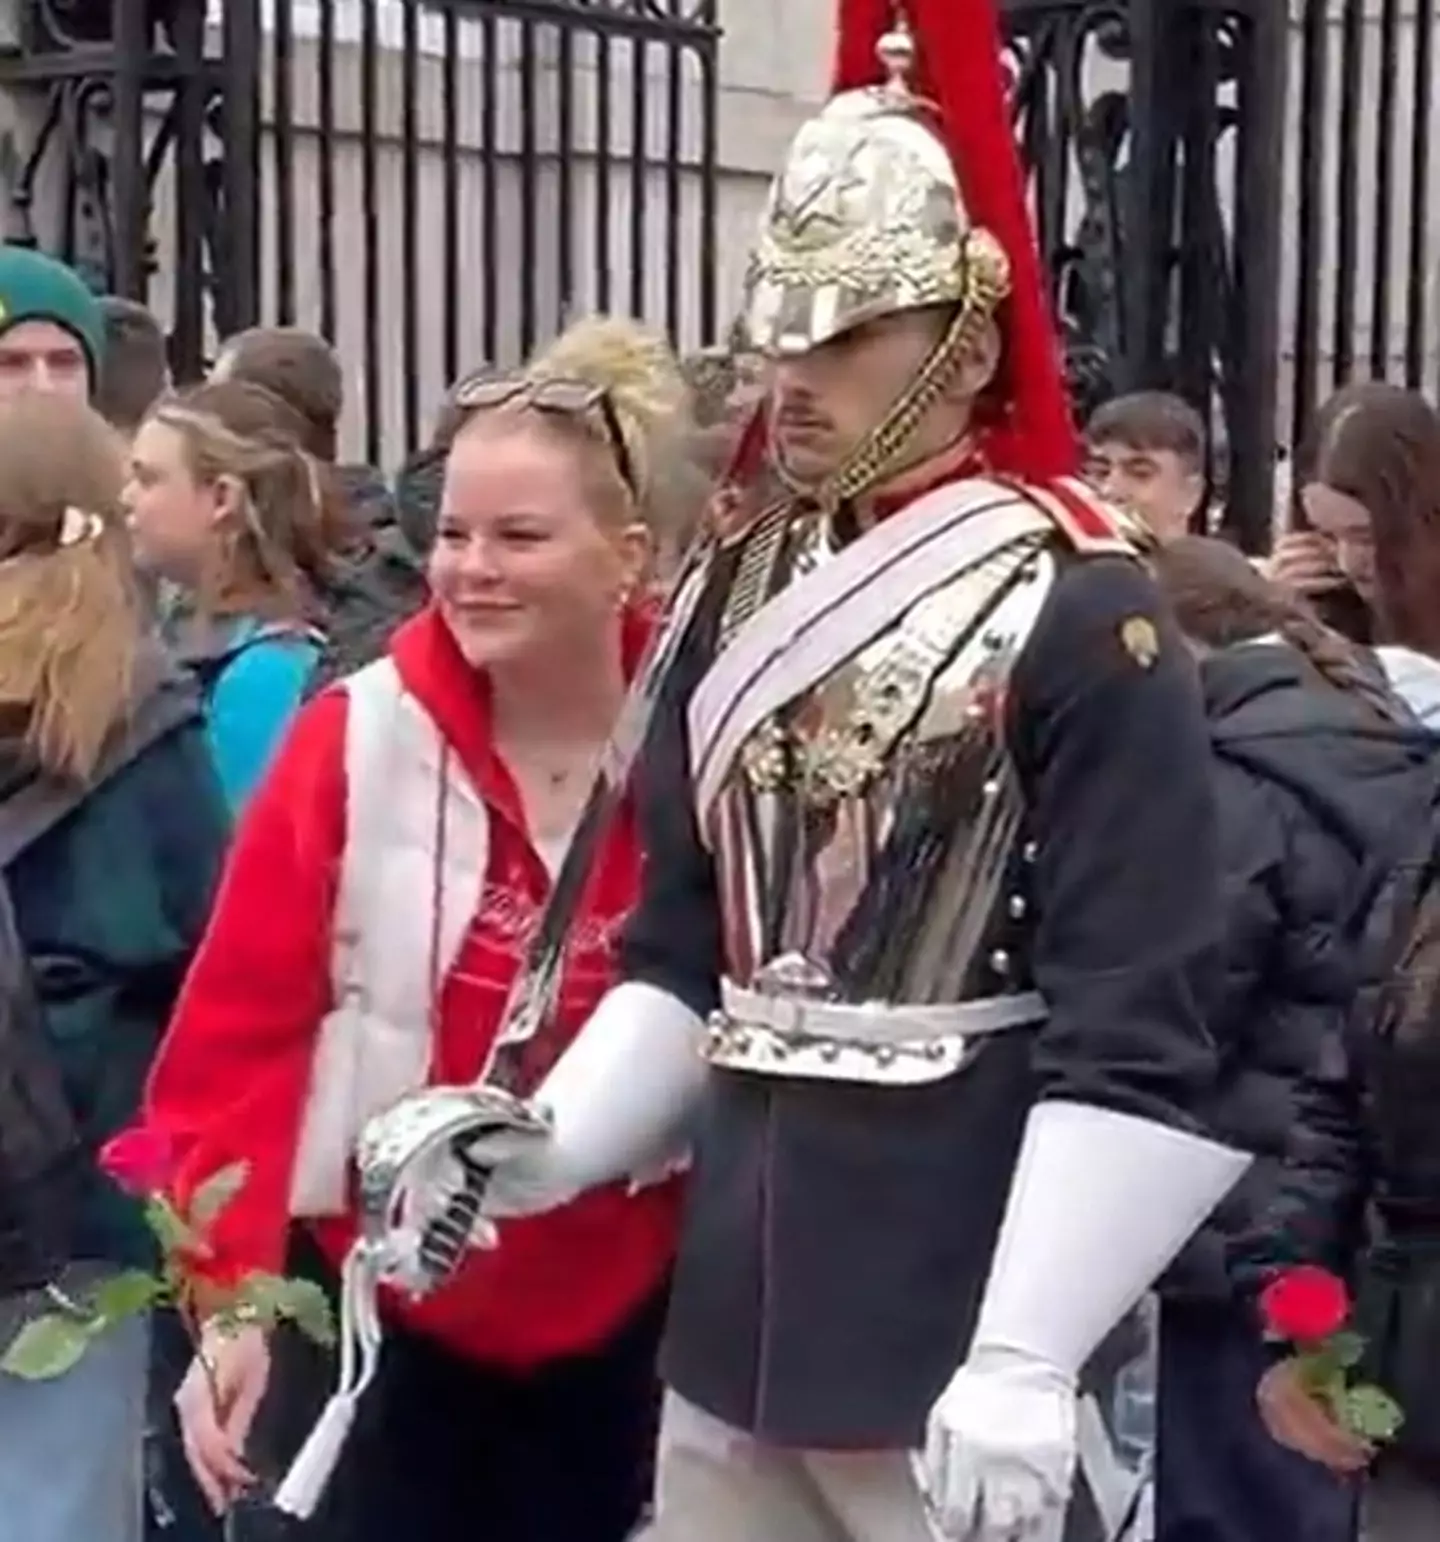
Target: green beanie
{"type": "Point", "coordinates": [34, 287]}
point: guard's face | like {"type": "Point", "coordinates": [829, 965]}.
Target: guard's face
{"type": "Point", "coordinates": [42, 356]}
{"type": "Point", "coordinates": [523, 570]}
{"type": "Point", "coordinates": [823, 403]}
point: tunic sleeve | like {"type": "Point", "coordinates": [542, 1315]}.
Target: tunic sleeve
{"type": "Point", "coordinates": [1113, 752]}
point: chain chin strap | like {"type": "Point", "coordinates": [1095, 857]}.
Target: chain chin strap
{"type": "Point", "coordinates": [987, 281]}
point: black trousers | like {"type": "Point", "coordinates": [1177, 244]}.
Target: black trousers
{"type": "Point", "coordinates": [450, 1451]}
{"type": "Point", "coordinates": [1219, 1476]}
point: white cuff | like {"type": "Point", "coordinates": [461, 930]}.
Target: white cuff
{"type": "Point", "coordinates": [1100, 1205]}
{"type": "Point", "coordinates": [620, 1097]}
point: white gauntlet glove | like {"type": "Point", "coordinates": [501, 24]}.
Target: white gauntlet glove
{"type": "Point", "coordinates": [1099, 1206]}
{"type": "Point", "coordinates": [1000, 1450]}
{"type": "Point", "coordinates": [618, 1099]}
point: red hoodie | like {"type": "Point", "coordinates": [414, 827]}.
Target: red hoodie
{"type": "Point", "coordinates": [231, 1080]}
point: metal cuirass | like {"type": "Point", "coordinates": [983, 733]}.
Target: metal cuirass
{"type": "Point", "coordinates": [865, 842]}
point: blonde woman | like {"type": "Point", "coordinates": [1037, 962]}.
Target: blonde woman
{"type": "Point", "coordinates": [111, 834]}
{"type": "Point", "coordinates": [236, 521]}
{"type": "Point", "coordinates": [519, 1401]}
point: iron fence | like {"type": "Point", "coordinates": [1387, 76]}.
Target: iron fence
{"type": "Point", "coordinates": [431, 184]}
{"type": "Point", "coordinates": [1360, 278]}
{"type": "Point", "coordinates": [1154, 134]}
{"type": "Point", "coordinates": [1234, 196]}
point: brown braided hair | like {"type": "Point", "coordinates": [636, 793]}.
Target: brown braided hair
{"type": "Point", "coordinates": [1220, 598]}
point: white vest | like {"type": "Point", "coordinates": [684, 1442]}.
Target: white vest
{"type": "Point", "coordinates": [389, 957]}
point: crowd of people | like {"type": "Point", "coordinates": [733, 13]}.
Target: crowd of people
{"type": "Point", "coordinates": [292, 754]}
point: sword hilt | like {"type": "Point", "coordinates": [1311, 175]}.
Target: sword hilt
{"type": "Point", "coordinates": [444, 1240]}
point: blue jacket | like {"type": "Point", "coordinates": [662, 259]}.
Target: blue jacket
{"type": "Point", "coordinates": [252, 699]}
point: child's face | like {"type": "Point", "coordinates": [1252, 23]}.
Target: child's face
{"type": "Point", "coordinates": [1156, 485]}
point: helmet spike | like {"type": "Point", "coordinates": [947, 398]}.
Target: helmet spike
{"type": "Point", "coordinates": [896, 53]}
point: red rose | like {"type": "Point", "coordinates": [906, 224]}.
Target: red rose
{"type": "Point", "coordinates": [140, 1161]}
{"type": "Point", "coordinates": [1304, 1305]}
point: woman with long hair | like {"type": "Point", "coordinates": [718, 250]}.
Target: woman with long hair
{"type": "Point", "coordinates": [380, 896]}
{"type": "Point", "coordinates": [237, 523]}
{"type": "Point", "coordinates": [112, 830]}
{"type": "Point", "coordinates": [1369, 486]}
{"type": "Point", "coordinates": [1314, 762]}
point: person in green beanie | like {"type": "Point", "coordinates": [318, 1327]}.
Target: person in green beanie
{"type": "Point", "coordinates": [52, 328]}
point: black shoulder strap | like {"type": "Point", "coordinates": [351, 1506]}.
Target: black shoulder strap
{"type": "Point", "coordinates": [40, 803]}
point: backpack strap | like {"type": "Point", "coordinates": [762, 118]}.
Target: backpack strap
{"type": "Point", "coordinates": [42, 801]}
{"type": "Point", "coordinates": [208, 649]}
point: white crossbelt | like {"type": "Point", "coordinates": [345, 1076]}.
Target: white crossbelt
{"type": "Point", "coordinates": [876, 1022]}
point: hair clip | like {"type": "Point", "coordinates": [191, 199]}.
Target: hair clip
{"type": "Point", "coordinates": [77, 527]}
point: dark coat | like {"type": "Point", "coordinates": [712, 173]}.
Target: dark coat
{"type": "Point", "coordinates": [376, 583]}
{"type": "Point", "coordinates": [1313, 788]}
{"type": "Point", "coordinates": [110, 903]}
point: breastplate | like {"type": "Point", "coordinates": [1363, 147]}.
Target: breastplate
{"type": "Point", "coordinates": [865, 837]}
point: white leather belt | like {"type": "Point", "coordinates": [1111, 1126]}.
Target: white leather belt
{"type": "Point", "coordinates": [878, 1022]}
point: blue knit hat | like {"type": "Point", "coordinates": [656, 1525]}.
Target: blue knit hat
{"type": "Point", "coordinates": [34, 287]}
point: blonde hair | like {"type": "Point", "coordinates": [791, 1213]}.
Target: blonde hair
{"type": "Point", "coordinates": [275, 552]}
{"type": "Point", "coordinates": [640, 376]}
{"type": "Point", "coordinates": [70, 620]}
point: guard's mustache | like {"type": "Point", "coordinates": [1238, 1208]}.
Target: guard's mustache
{"type": "Point", "coordinates": [800, 414]}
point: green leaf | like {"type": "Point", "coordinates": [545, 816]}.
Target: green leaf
{"type": "Point", "coordinates": [172, 1231]}
{"type": "Point", "coordinates": [1371, 1413]}
{"type": "Point", "coordinates": [269, 1298]}
{"type": "Point", "coordinates": [46, 1348]}
{"type": "Point", "coordinates": [123, 1295]}
{"type": "Point", "coordinates": [216, 1193]}
{"type": "Point", "coordinates": [1346, 1348]}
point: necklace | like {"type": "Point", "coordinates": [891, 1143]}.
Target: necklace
{"type": "Point", "coordinates": [552, 775]}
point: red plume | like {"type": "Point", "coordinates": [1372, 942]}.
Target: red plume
{"type": "Point", "coordinates": [959, 68]}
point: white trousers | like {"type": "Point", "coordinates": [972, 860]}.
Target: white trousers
{"type": "Point", "coordinates": [716, 1484]}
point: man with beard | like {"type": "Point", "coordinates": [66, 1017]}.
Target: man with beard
{"type": "Point", "coordinates": [932, 902]}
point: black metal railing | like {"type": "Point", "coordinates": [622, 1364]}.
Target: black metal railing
{"type": "Point", "coordinates": [1363, 213]}
{"type": "Point", "coordinates": [1154, 136]}
{"type": "Point", "coordinates": [437, 184]}
{"type": "Point", "coordinates": [431, 184]}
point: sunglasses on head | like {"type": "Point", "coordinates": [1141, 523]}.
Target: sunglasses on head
{"type": "Point", "coordinates": [568, 398]}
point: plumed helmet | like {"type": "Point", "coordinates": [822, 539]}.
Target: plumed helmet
{"type": "Point", "coordinates": [866, 218]}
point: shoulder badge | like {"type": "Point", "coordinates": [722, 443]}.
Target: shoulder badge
{"type": "Point", "coordinates": [1140, 640]}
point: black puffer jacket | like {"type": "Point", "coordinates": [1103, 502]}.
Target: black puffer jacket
{"type": "Point", "coordinates": [1312, 787]}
